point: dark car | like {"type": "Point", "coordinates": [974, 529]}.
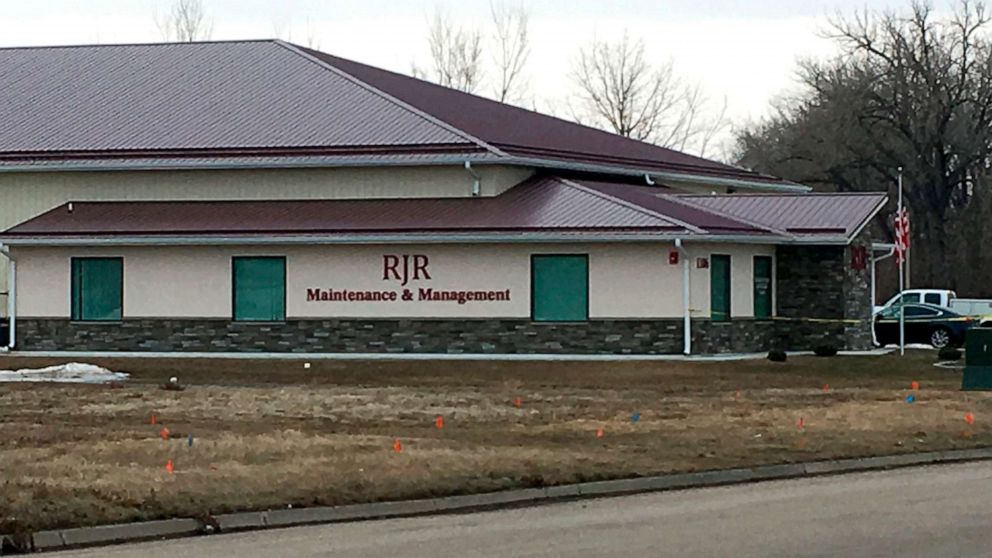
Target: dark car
{"type": "Point", "coordinates": [925, 323]}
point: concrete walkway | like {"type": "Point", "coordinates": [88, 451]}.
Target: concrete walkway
{"type": "Point", "coordinates": [418, 356]}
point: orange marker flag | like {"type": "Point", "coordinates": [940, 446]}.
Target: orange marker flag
{"type": "Point", "coordinates": [517, 402]}
{"type": "Point", "coordinates": [439, 422]}
{"type": "Point", "coordinates": [826, 388]}
{"type": "Point", "coordinates": [914, 385]}
{"type": "Point", "coordinates": [168, 467]}
{"type": "Point", "coordinates": [969, 418]}
{"type": "Point", "coordinates": [154, 420]}
{"type": "Point", "coordinates": [164, 433]}
{"type": "Point", "coordinates": [600, 433]}
{"type": "Point", "coordinates": [801, 424]}
{"type": "Point", "coordinates": [398, 446]}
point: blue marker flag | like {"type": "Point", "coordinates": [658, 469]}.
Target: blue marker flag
{"type": "Point", "coordinates": [189, 440]}
{"type": "Point", "coordinates": [910, 398]}
{"type": "Point", "coordinates": [635, 417]}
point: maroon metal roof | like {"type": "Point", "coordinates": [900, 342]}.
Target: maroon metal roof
{"type": "Point", "coordinates": [269, 98]}
{"type": "Point", "coordinates": [523, 132]}
{"type": "Point", "coordinates": [663, 200]}
{"type": "Point", "coordinates": [545, 204]}
{"type": "Point", "coordinates": [800, 214]}
{"type": "Point", "coordinates": [193, 96]}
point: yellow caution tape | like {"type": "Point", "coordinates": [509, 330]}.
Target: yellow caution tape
{"type": "Point", "coordinates": [818, 320]}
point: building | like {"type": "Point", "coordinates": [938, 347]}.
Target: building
{"type": "Point", "coordinates": [259, 196]}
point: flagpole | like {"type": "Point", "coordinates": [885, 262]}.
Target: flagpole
{"type": "Point", "coordinates": [902, 301]}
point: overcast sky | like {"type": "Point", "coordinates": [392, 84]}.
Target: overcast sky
{"type": "Point", "coordinates": [744, 50]}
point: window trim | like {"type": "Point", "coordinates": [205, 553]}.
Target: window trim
{"type": "Point", "coordinates": [234, 290]}
{"type": "Point", "coordinates": [73, 295]}
{"type": "Point", "coordinates": [533, 298]}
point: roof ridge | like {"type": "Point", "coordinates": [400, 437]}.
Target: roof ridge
{"type": "Point", "coordinates": [149, 44]}
{"type": "Point", "coordinates": [674, 198]}
{"type": "Point", "coordinates": [628, 205]}
{"type": "Point", "coordinates": [398, 102]}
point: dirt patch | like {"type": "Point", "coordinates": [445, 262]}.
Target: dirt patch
{"type": "Point", "coordinates": [271, 433]}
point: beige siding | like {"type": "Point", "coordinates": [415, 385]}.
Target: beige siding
{"type": "Point", "coordinates": [741, 277]}
{"type": "Point", "coordinates": [625, 280]}
{"type": "Point", "coordinates": [25, 195]}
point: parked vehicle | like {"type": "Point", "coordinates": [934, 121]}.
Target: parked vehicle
{"type": "Point", "coordinates": [939, 297]}
{"type": "Point", "coordinates": [924, 323]}
{"type": "Point", "coordinates": [978, 307]}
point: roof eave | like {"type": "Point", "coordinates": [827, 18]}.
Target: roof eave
{"type": "Point", "coordinates": [701, 179]}
{"type": "Point", "coordinates": [387, 238]}
{"type": "Point", "coordinates": [196, 163]}
{"type": "Point", "coordinates": [871, 215]}
{"type": "Point", "coordinates": [480, 158]}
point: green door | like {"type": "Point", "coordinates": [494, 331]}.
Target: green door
{"type": "Point", "coordinates": [259, 289]}
{"type": "Point", "coordinates": [719, 288]}
{"type": "Point", "coordinates": [560, 288]}
{"type": "Point", "coordinates": [97, 289]}
{"type": "Point", "coordinates": [762, 287]}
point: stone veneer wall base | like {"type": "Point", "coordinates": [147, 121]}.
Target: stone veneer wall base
{"type": "Point", "coordinates": [439, 336]}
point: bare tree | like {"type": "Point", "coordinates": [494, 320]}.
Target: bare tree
{"type": "Point", "coordinates": [186, 22]}
{"type": "Point", "coordinates": [512, 45]}
{"type": "Point", "coordinates": [456, 54]}
{"type": "Point", "coordinates": [620, 90]}
{"type": "Point", "coordinates": [910, 89]}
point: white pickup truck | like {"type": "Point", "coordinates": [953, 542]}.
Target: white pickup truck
{"type": "Point", "coordinates": [972, 306]}
{"type": "Point", "coordinates": [947, 299]}
{"type": "Point", "coordinates": [940, 297]}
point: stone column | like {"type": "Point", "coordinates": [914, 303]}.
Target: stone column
{"type": "Point", "coordinates": [819, 293]}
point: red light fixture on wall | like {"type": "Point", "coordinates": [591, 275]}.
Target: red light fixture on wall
{"type": "Point", "coordinates": [673, 257]}
{"type": "Point", "coordinates": [859, 257]}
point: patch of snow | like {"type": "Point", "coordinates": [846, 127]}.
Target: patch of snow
{"type": "Point", "coordinates": [73, 372]}
{"type": "Point", "coordinates": [913, 346]}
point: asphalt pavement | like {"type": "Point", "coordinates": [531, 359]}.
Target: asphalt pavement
{"type": "Point", "coordinates": [937, 511]}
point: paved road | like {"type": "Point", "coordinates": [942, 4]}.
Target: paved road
{"type": "Point", "coordinates": [940, 512]}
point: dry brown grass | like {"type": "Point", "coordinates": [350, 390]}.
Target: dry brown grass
{"type": "Point", "coordinates": [271, 433]}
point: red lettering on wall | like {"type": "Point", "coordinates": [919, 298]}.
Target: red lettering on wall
{"type": "Point", "coordinates": [389, 265]}
{"type": "Point", "coordinates": [414, 268]}
{"type": "Point", "coordinates": [420, 263]}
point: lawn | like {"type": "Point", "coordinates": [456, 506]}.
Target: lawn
{"type": "Point", "coordinates": [273, 433]}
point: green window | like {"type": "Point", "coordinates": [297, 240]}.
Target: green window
{"type": "Point", "coordinates": [762, 287]}
{"type": "Point", "coordinates": [97, 289]}
{"type": "Point", "coordinates": [259, 289]}
{"type": "Point", "coordinates": [559, 288]}
{"type": "Point", "coordinates": [720, 288]}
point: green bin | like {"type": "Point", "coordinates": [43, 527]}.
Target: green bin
{"type": "Point", "coordinates": [978, 359]}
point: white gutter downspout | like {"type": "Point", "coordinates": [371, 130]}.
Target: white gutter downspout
{"type": "Point", "coordinates": [476, 179]}
{"type": "Point", "coordinates": [686, 312]}
{"type": "Point", "coordinates": [11, 299]}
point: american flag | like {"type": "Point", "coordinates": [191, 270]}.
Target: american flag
{"type": "Point", "coordinates": [902, 235]}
